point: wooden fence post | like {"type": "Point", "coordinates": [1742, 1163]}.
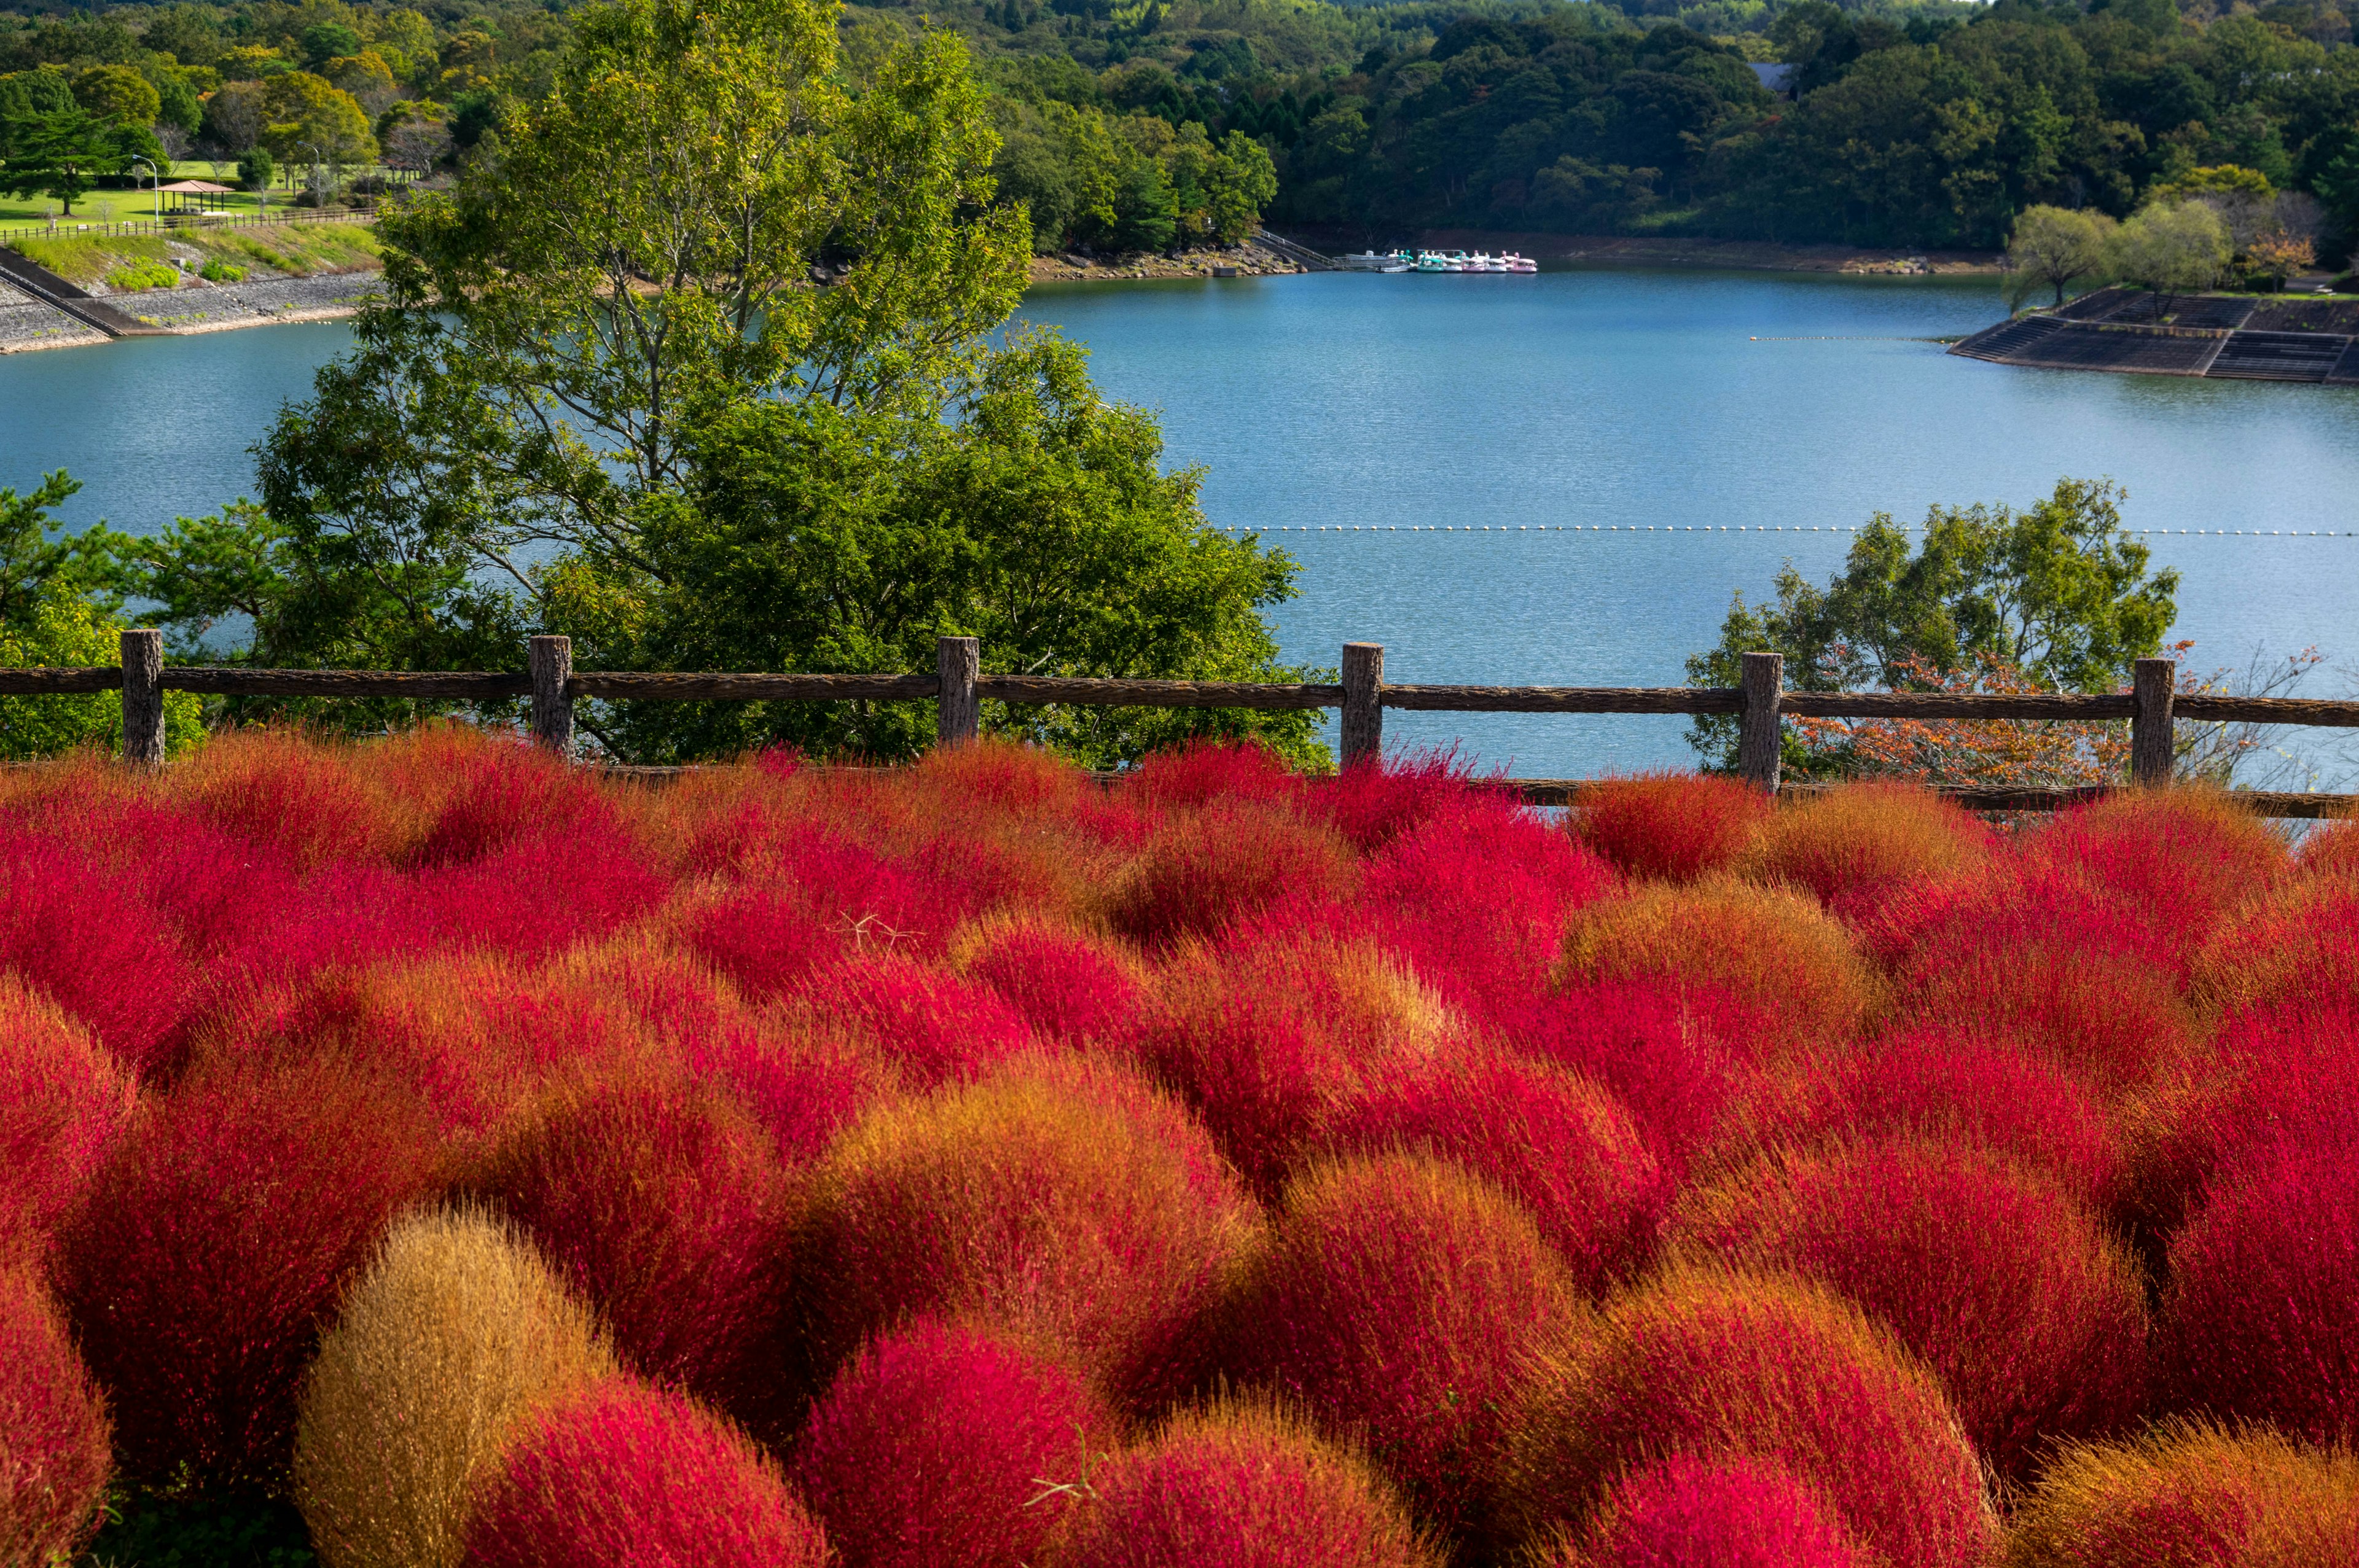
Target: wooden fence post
{"type": "Point", "coordinates": [958, 717]}
{"type": "Point", "coordinates": [1362, 738]}
{"type": "Point", "coordinates": [143, 699]}
{"type": "Point", "coordinates": [1757, 737]}
{"type": "Point", "coordinates": [551, 659]}
{"type": "Point", "coordinates": [2154, 740]}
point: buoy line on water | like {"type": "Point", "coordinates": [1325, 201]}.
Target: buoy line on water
{"type": "Point", "coordinates": [1707, 528]}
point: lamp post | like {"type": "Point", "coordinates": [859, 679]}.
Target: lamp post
{"type": "Point", "coordinates": [318, 157]}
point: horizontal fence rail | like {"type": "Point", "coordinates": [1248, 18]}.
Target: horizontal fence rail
{"type": "Point", "coordinates": [958, 687]}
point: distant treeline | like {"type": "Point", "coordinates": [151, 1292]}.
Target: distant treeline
{"type": "Point", "coordinates": [1146, 124]}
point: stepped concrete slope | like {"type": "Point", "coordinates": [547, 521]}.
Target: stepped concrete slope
{"type": "Point", "coordinates": [2218, 337]}
{"type": "Point", "coordinates": [49, 289]}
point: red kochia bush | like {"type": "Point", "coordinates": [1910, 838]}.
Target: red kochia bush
{"type": "Point", "coordinates": [63, 1099]}
{"type": "Point", "coordinates": [1719, 1366]}
{"type": "Point", "coordinates": [664, 1205]}
{"type": "Point", "coordinates": [1561, 1144]}
{"type": "Point", "coordinates": [1738, 1512]}
{"type": "Point", "coordinates": [1205, 870]}
{"type": "Point", "coordinates": [1241, 1485]}
{"type": "Point", "coordinates": [802, 1079]}
{"type": "Point", "coordinates": [1397, 1302]}
{"type": "Point", "coordinates": [933, 1027]}
{"type": "Point", "coordinates": [1935, 1084]}
{"type": "Point", "coordinates": [1671, 827]}
{"type": "Point", "coordinates": [1066, 986]}
{"type": "Point", "coordinates": [942, 1444]}
{"type": "Point", "coordinates": [1373, 803]}
{"type": "Point", "coordinates": [2261, 1320]}
{"type": "Point", "coordinates": [1059, 1199]}
{"type": "Point", "coordinates": [626, 1476]}
{"type": "Point", "coordinates": [53, 1450]}
{"type": "Point", "coordinates": [217, 1236]}
{"type": "Point", "coordinates": [1684, 1060]}
{"type": "Point", "coordinates": [69, 930]}
{"type": "Point", "coordinates": [315, 800]}
{"type": "Point", "coordinates": [1202, 772]}
{"type": "Point", "coordinates": [2177, 860]}
{"type": "Point", "coordinates": [2034, 1320]}
{"type": "Point", "coordinates": [1852, 846]}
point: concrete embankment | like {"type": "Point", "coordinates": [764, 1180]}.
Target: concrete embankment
{"type": "Point", "coordinates": [2218, 337]}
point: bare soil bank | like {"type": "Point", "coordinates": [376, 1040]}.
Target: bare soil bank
{"type": "Point", "coordinates": [1624, 250]}
{"type": "Point", "coordinates": [1247, 260]}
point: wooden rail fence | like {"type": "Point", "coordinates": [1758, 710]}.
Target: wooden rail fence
{"type": "Point", "coordinates": [2153, 706]}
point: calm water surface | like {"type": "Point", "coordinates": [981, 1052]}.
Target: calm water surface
{"type": "Point", "coordinates": [1664, 398]}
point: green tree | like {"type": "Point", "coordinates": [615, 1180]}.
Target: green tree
{"type": "Point", "coordinates": [599, 384]}
{"type": "Point", "coordinates": [304, 111]}
{"type": "Point", "coordinates": [2055, 247]}
{"type": "Point", "coordinates": [117, 94]}
{"type": "Point", "coordinates": [61, 153]}
{"type": "Point", "coordinates": [2177, 249]}
{"type": "Point", "coordinates": [2055, 590]}
{"type": "Point", "coordinates": [256, 169]}
{"type": "Point", "coordinates": [56, 609]}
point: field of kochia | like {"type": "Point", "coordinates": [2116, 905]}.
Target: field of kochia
{"type": "Point", "coordinates": [971, 1166]}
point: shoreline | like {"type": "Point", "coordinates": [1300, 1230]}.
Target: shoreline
{"type": "Point", "coordinates": [1627, 250]}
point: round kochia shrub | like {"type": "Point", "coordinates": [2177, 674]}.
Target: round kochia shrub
{"type": "Point", "coordinates": [215, 1239]}
{"type": "Point", "coordinates": [2261, 1319]}
{"type": "Point", "coordinates": [1769, 949]}
{"type": "Point", "coordinates": [1241, 1485]}
{"type": "Point", "coordinates": [1066, 986]}
{"type": "Point", "coordinates": [1396, 1302]}
{"type": "Point", "coordinates": [2034, 1320]}
{"type": "Point", "coordinates": [943, 1446]}
{"type": "Point", "coordinates": [1063, 1200]}
{"type": "Point", "coordinates": [1852, 845]}
{"type": "Point", "coordinates": [1204, 870]}
{"type": "Point", "coordinates": [1721, 1366]}
{"type": "Point", "coordinates": [71, 930]}
{"type": "Point", "coordinates": [1671, 827]}
{"type": "Point", "coordinates": [53, 1448]}
{"type": "Point", "coordinates": [626, 1477]}
{"type": "Point", "coordinates": [1686, 1512]}
{"type": "Point", "coordinates": [664, 1205]}
{"type": "Point", "coordinates": [2175, 860]}
{"type": "Point", "coordinates": [1685, 1063]}
{"type": "Point", "coordinates": [1561, 1145]}
{"type": "Point", "coordinates": [2193, 1494]}
{"type": "Point", "coordinates": [63, 1101]}
{"type": "Point", "coordinates": [455, 1337]}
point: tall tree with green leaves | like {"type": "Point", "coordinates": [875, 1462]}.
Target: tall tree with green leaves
{"type": "Point", "coordinates": [2055, 590]}
{"type": "Point", "coordinates": [604, 394]}
{"type": "Point", "coordinates": [62, 153]}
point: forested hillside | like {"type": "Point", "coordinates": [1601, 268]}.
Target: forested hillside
{"type": "Point", "coordinates": [1140, 125]}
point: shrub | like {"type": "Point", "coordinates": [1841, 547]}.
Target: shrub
{"type": "Point", "coordinates": [944, 1445]}
{"type": "Point", "coordinates": [2261, 1318]}
{"type": "Point", "coordinates": [53, 1447]}
{"type": "Point", "coordinates": [1269, 1038]}
{"type": "Point", "coordinates": [456, 1334]}
{"type": "Point", "coordinates": [1396, 1301]}
{"type": "Point", "coordinates": [1476, 901]}
{"type": "Point", "coordinates": [770, 943]}
{"type": "Point", "coordinates": [71, 932]}
{"type": "Point", "coordinates": [1211, 772]}
{"type": "Point", "coordinates": [1735, 1512]}
{"type": "Point", "coordinates": [533, 896]}
{"type": "Point", "coordinates": [1773, 951]}
{"type": "Point", "coordinates": [1853, 844]}
{"type": "Point", "coordinates": [1058, 1203]}
{"type": "Point", "coordinates": [2297, 946]}
{"type": "Point", "coordinates": [216, 270]}
{"type": "Point", "coordinates": [312, 799]}
{"type": "Point", "coordinates": [2330, 852]}
{"type": "Point", "coordinates": [2033, 1319]}
{"type": "Point", "coordinates": [1372, 805]}
{"type": "Point", "coordinates": [1671, 827]}
{"type": "Point", "coordinates": [1067, 986]}
{"type": "Point", "coordinates": [1205, 872]}
{"type": "Point", "coordinates": [1684, 1062]}
{"type": "Point", "coordinates": [1934, 1084]}
{"type": "Point", "coordinates": [2188, 1492]}
{"type": "Point", "coordinates": [135, 278]}
{"type": "Point", "coordinates": [803, 1080]}
{"type": "Point", "coordinates": [664, 1205]}
{"type": "Point", "coordinates": [216, 1238]}
{"type": "Point", "coordinates": [626, 1476]}
{"type": "Point", "coordinates": [2177, 859]}
{"type": "Point", "coordinates": [1721, 1366]}
{"type": "Point", "coordinates": [933, 1027]}
{"type": "Point", "coordinates": [1559, 1144]}
{"type": "Point", "coordinates": [63, 1101]}
{"type": "Point", "coordinates": [1242, 1486]}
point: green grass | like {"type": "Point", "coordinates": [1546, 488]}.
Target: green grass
{"type": "Point", "coordinates": [137, 276]}
{"type": "Point", "coordinates": [83, 260]}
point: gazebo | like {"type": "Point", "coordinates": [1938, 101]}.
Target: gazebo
{"type": "Point", "coordinates": [194, 195]}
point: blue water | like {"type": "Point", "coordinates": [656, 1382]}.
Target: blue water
{"type": "Point", "coordinates": [1675, 399]}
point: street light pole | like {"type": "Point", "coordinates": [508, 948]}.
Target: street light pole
{"type": "Point", "coordinates": [317, 158]}
{"type": "Point", "coordinates": [152, 181]}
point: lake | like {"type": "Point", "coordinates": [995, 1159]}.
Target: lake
{"type": "Point", "coordinates": [1673, 399]}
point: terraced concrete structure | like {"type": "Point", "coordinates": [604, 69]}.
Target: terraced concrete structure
{"type": "Point", "coordinates": [2222, 337]}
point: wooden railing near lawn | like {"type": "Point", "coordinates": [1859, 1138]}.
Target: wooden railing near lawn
{"type": "Point", "coordinates": [2153, 706]}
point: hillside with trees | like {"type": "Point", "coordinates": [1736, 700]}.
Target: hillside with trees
{"type": "Point", "coordinates": [1145, 124]}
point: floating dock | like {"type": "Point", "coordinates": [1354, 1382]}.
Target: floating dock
{"type": "Point", "coordinates": [2219, 336]}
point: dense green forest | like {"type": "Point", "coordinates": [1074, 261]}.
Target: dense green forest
{"type": "Point", "coordinates": [1131, 125]}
